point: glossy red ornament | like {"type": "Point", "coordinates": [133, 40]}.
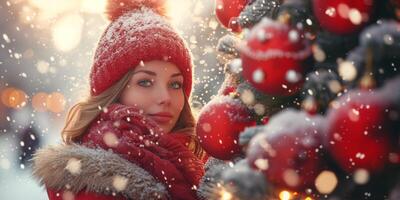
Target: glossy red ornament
{"type": "Point", "coordinates": [288, 151]}
{"type": "Point", "coordinates": [228, 90]}
{"type": "Point", "coordinates": [273, 56]}
{"type": "Point", "coordinates": [234, 25]}
{"type": "Point", "coordinates": [219, 125]}
{"type": "Point", "coordinates": [343, 16]}
{"type": "Point", "coordinates": [227, 11]}
{"type": "Point", "coordinates": [360, 131]}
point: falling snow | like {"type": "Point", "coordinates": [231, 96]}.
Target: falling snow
{"type": "Point", "coordinates": [47, 49]}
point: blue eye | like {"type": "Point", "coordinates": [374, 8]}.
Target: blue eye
{"type": "Point", "coordinates": [176, 85]}
{"type": "Point", "coordinates": [145, 83]}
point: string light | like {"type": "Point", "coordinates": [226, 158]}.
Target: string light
{"type": "Point", "coordinates": [225, 195]}
{"type": "Point", "coordinates": [285, 195]}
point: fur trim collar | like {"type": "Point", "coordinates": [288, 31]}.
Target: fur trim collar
{"type": "Point", "coordinates": [75, 167]}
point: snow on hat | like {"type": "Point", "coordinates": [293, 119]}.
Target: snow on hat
{"type": "Point", "coordinates": [139, 31]}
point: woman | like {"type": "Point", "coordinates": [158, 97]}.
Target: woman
{"type": "Point", "coordinates": [133, 138]}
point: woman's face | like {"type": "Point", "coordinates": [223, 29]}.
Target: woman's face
{"type": "Point", "coordinates": [157, 88]}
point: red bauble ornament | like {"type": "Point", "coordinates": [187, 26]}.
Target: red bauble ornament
{"type": "Point", "coordinates": [219, 125]}
{"type": "Point", "coordinates": [234, 25]}
{"type": "Point", "coordinates": [343, 16]}
{"type": "Point", "coordinates": [360, 131]}
{"type": "Point", "coordinates": [272, 58]}
{"type": "Point", "coordinates": [228, 90]}
{"type": "Point", "coordinates": [228, 10]}
{"type": "Point", "coordinates": [288, 150]}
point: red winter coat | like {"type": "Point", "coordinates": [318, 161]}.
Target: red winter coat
{"type": "Point", "coordinates": [127, 151]}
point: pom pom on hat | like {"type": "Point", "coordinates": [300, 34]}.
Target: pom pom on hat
{"type": "Point", "coordinates": [117, 8]}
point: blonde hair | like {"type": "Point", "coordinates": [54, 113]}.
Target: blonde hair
{"type": "Point", "coordinates": [81, 115]}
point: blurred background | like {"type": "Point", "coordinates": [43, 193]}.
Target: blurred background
{"type": "Point", "coordinates": [46, 51]}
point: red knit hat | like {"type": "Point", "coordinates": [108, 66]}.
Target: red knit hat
{"type": "Point", "coordinates": [138, 31]}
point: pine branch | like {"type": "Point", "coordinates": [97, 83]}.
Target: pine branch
{"type": "Point", "coordinates": [255, 11]}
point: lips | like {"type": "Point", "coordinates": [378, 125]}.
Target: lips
{"type": "Point", "coordinates": [162, 117]}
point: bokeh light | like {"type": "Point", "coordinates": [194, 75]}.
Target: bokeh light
{"type": "Point", "coordinates": [326, 182]}
{"type": "Point", "coordinates": [55, 102]}
{"type": "Point", "coordinates": [347, 71]}
{"type": "Point", "coordinates": [93, 6]}
{"type": "Point", "coordinates": [225, 195]}
{"type": "Point", "coordinates": [67, 32]}
{"type": "Point", "coordinates": [13, 97]}
{"type": "Point", "coordinates": [180, 10]}
{"type": "Point", "coordinates": [55, 7]}
{"type": "Point", "coordinates": [39, 102]}
{"type": "Point", "coordinates": [285, 195]}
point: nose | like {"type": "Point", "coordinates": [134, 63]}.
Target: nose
{"type": "Point", "coordinates": [164, 97]}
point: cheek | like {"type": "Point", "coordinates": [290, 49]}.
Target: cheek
{"type": "Point", "coordinates": [178, 102]}
{"type": "Point", "coordinates": [130, 97]}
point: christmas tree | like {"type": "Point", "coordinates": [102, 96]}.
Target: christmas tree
{"type": "Point", "coordinates": [309, 108]}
